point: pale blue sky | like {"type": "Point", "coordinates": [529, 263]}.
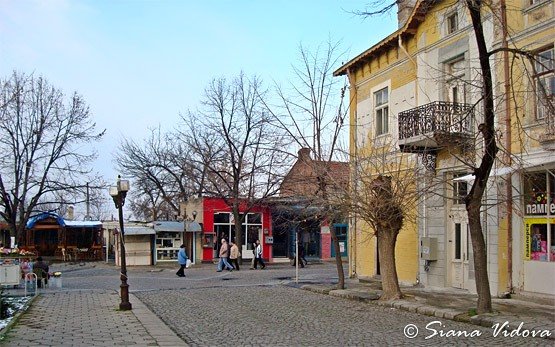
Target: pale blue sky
{"type": "Point", "coordinates": [141, 63]}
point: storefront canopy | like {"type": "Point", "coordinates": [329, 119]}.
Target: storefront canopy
{"type": "Point", "coordinates": [45, 215]}
{"type": "Point", "coordinates": [139, 231]}
{"type": "Point", "coordinates": [524, 163]}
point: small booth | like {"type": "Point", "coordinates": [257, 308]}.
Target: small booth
{"type": "Point", "coordinates": [139, 241]}
{"type": "Point", "coordinates": [169, 237]}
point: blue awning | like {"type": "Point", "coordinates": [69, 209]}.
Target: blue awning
{"type": "Point", "coordinates": [44, 215]}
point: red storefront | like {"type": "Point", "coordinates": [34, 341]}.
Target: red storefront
{"type": "Point", "coordinates": [217, 222]}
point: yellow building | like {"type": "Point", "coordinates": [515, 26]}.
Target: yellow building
{"type": "Point", "coordinates": [418, 92]}
{"type": "Point", "coordinates": [525, 87]}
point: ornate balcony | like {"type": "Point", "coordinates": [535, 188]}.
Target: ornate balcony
{"type": "Point", "coordinates": [429, 127]}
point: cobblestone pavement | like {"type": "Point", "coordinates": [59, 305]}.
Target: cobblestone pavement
{"type": "Point", "coordinates": [253, 308]}
{"type": "Point", "coordinates": [284, 316]}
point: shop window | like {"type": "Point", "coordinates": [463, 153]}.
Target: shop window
{"type": "Point", "coordinates": [542, 242]}
{"type": "Point", "coordinates": [539, 189]}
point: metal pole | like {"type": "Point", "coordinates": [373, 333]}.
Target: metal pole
{"type": "Point", "coordinates": [297, 254]}
{"type": "Point", "coordinates": [125, 305]}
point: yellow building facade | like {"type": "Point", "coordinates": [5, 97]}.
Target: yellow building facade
{"type": "Point", "coordinates": [418, 91]}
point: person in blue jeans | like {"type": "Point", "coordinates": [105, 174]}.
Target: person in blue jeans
{"type": "Point", "coordinates": [224, 253]}
{"type": "Point", "coordinates": [182, 260]}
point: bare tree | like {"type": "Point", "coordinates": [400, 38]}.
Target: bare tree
{"type": "Point", "coordinates": [311, 111]}
{"type": "Point", "coordinates": [162, 173]}
{"type": "Point", "coordinates": [242, 161]}
{"type": "Point", "coordinates": [42, 137]}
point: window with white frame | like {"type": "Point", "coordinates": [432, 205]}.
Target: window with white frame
{"type": "Point", "coordinates": [460, 188]}
{"type": "Point", "coordinates": [381, 110]}
{"type": "Point", "coordinates": [545, 83]}
{"type": "Point", "coordinates": [452, 22]}
{"type": "Point", "coordinates": [454, 80]}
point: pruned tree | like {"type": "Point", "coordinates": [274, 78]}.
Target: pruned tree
{"type": "Point", "coordinates": [241, 155]}
{"type": "Point", "coordinates": [312, 113]}
{"type": "Point", "coordinates": [43, 137]}
{"type": "Point", "coordinates": [383, 198]}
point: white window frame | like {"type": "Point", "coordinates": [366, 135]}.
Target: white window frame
{"type": "Point", "coordinates": [381, 108]}
{"type": "Point", "coordinates": [455, 72]}
{"type": "Point", "coordinates": [458, 198]}
{"type": "Point", "coordinates": [452, 22]}
{"type": "Point", "coordinates": [545, 76]}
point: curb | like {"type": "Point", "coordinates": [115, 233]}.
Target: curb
{"type": "Point", "coordinates": [16, 317]}
{"type": "Point", "coordinates": [487, 320]}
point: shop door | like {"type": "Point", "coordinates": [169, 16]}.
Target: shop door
{"type": "Point", "coordinates": [459, 255]}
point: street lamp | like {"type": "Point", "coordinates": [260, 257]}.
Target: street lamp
{"type": "Point", "coordinates": [118, 193]}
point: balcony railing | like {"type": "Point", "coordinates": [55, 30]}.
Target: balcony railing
{"type": "Point", "coordinates": [432, 125]}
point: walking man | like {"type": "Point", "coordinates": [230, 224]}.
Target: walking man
{"type": "Point", "coordinates": [224, 253]}
{"type": "Point", "coordinates": [182, 260]}
{"type": "Point", "coordinates": [234, 255]}
{"type": "Point", "coordinates": [258, 256]}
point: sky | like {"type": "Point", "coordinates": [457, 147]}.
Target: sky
{"type": "Point", "coordinates": [139, 64]}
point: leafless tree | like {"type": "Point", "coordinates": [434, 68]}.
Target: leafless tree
{"type": "Point", "coordinates": [240, 155]}
{"type": "Point", "coordinates": [161, 171]}
{"type": "Point", "coordinates": [42, 137]}
{"type": "Point", "coordinates": [312, 113]}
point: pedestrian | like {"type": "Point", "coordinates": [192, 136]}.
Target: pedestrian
{"type": "Point", "coordinates": [253, 255]}
{"type": "Point", "coordinates": [234, 254]}
{"type": "Point", "coordinates": [302, 260]}
{"type": "Point", "coordinates": [301, 256]}
{"type": "Point", "coordinates": [182, 260]}
{"type": "Point", "coordinates": [258, 256]}
{"type": "Point", "coordinates": [40, 268]}
{"type": "Point", "coordinates": [224, 253]}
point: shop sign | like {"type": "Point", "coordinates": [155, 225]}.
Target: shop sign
{"type": "Point", "coordinates": [527, 242]}
{"type": "Point", "coordinates": [540, 209]}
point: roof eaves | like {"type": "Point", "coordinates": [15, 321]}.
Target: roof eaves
{"type": "Point", "coordinates": [416, 17]}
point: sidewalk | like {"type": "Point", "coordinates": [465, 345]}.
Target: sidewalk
{"type": "Point", "coordinates": [84, 318]}
{"type": "Point", "coordinates": [452, 304]}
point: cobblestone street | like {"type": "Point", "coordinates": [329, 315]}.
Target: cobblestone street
{"type": "Point", "coordinates": [253, 308]}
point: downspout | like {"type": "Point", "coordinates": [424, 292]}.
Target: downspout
{"type": "Point", "coordinates": [508, 140]}
{"type": "Point", "coordinates": [424, 198]}
{"type": "Point", "coordinates": [353, 232]}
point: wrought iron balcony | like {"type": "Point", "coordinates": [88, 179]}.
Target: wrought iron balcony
{"type": "Point", "coordinates": [429, 127]}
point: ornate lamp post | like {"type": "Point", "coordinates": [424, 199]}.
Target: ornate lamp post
{"type": "Point", "coordinates": [118, 193]}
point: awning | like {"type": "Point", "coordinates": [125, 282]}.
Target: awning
{"type": "Point", "coordinates": [83, 224]}
{"type": "Point", "coordinates": [139, 231]}
{"type": "Point", "coordinates": [44, 215]}
{"type": "Point", "coordinates": [169, 226]}
{"type": "Point", "coordinates": [193, 227]}
{"type": "Point", "coordinates": [524, 163]}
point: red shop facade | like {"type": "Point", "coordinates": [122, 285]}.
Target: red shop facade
{"type": "Point", "coordinates": [218, 222]}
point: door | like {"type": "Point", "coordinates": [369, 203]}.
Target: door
{"type": "Point", "coordinates": [459, 255]}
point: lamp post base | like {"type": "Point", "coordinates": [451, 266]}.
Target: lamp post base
{"type": "Point", "coordinates": [124, 305]}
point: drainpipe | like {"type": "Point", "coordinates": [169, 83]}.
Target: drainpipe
{"type": "Point", "coordinates": [424, 198]}
{"type": "Point", "coordinates": [354, 230]}
{"type": "Point", "coordinates": [508, 140]}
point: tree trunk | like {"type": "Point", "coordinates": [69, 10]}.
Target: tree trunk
{"type": "Point", "coordinates": [338, 260]}
{"type": "Point", "coordinates": [474, 199]}
{"type": "Point", "coordinates": [388, 270]}
{"type": "Point", "coordinates": [480, 260]}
